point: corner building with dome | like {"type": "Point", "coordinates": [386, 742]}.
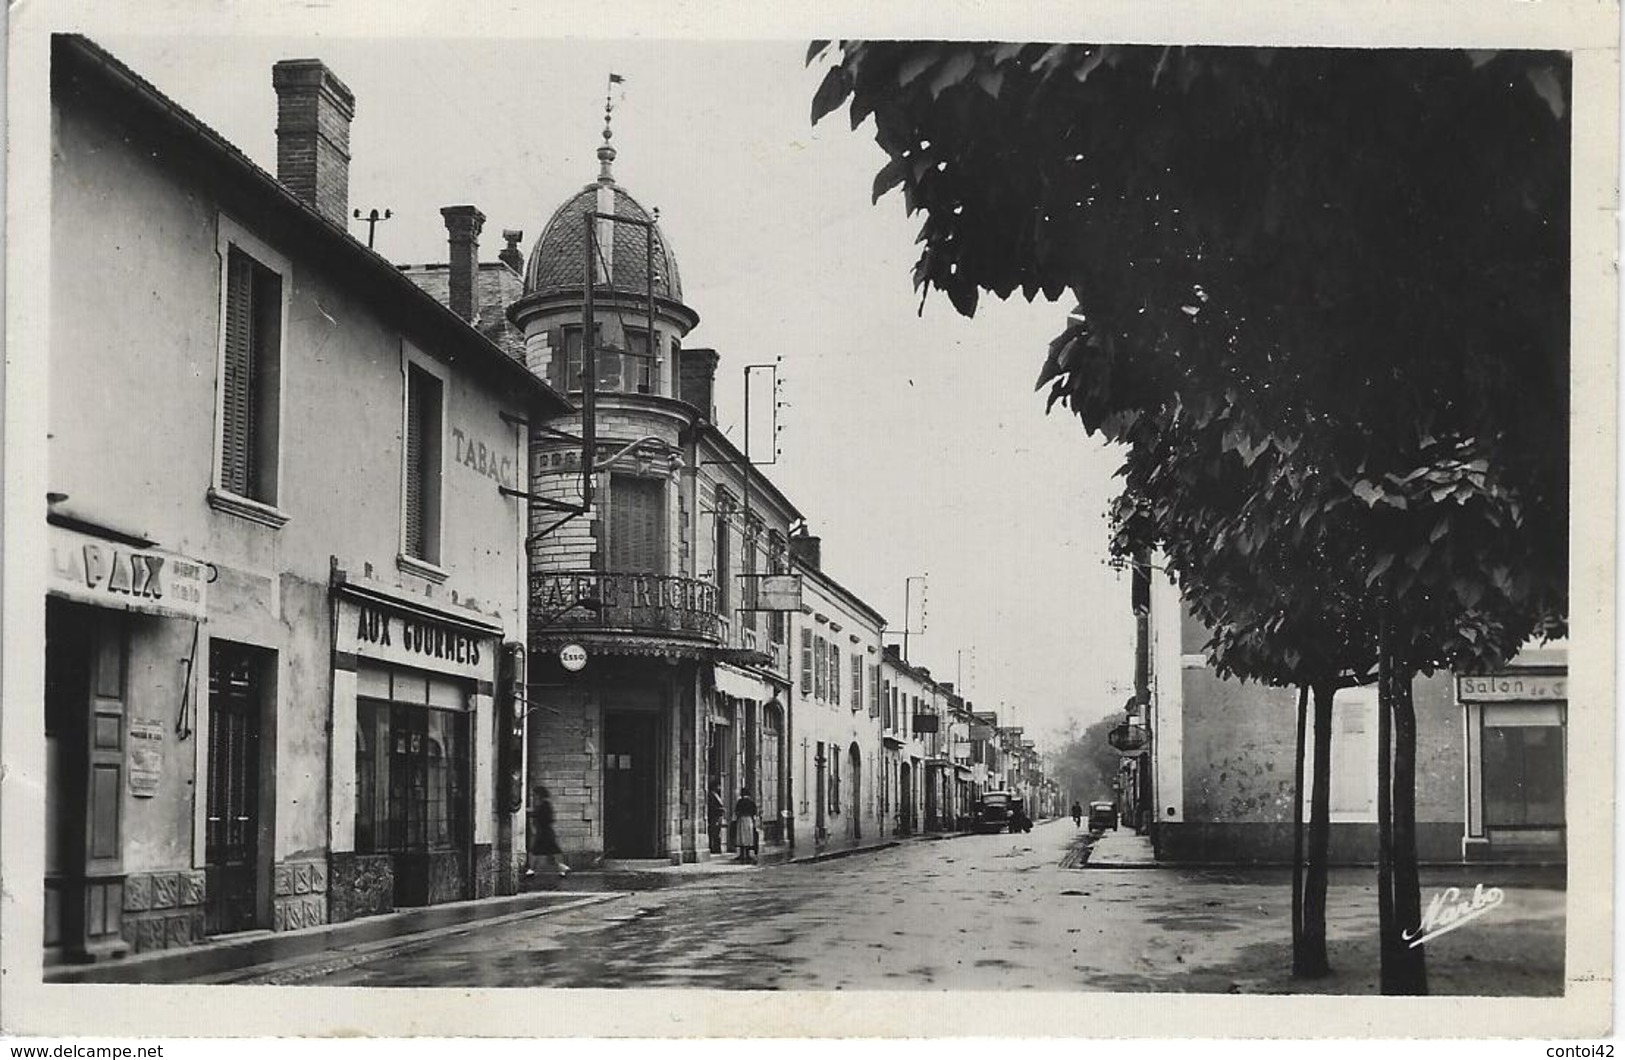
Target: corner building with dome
{"type": "Point", "coordinates": [680, 690]}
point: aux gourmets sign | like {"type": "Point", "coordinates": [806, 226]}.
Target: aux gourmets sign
{"type": "Point", "coordinates": [408, 639]}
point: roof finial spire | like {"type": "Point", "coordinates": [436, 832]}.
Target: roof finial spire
{"type": "Point", "coordinates": [606, 153]}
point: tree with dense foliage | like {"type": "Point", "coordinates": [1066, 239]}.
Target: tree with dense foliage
{"type": "Point", "coordinates": [1085, 766]}
{"type": "Point", "coordinates": [1338, 277]}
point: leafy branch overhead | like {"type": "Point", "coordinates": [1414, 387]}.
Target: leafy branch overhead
{"type": "Point", "coordinates": [1320, 295]}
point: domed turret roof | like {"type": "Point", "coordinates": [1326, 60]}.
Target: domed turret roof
{"type": "Point", "coordinates": [558, 261]}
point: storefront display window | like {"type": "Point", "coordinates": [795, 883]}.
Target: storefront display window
{"type": "Point", "coordinates": [412, 764]}
{"type": "Point", "coordinates": [1523, 776]}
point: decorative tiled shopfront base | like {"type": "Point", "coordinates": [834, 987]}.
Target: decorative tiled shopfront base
{"type": "Point", "coordinates": [163, 910]}
{"type": "Point", "coordinates": [300, 895]}
{"type": "Point", "coordinates": [360, 885]}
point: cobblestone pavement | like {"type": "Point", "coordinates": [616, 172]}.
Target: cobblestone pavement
{"type": "Point", "coordinates": [972, 913]}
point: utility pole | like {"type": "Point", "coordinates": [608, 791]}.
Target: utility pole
{"type": "Point", "coordinates": [372, 218]}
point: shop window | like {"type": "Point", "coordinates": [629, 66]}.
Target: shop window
{"type": "Point", "coordinates": [250, 375]}
{"type": "Point", "coordinates": [413, 768]}
{"type": "Point", "coordinates": [1523, 776]}
{"type": "Point", "coordinates": [424, 418]}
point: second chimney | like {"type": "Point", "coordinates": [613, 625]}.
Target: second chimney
{"type": "Point", "coordinates": [807, 549]}
{"type": "Point", "coordinates": [463, 224]}
{"type": "Point", "coordinates": [696, 379]}
{"type": "Point", "coordinates": [314, 109]}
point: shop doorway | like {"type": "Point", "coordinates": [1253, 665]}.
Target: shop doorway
{"type": "Point", "coordinates": [905, 802]}
{"type": "Point", "coordinates": [856, 766]}
{"type": "Point", "coordinates": [632, 784]}
{"type": "Point", "coordinates": [236, 859]}
{"type": "Point", "coordinates": [85, 675]}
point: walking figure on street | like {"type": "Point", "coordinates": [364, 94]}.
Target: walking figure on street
{"type": "Point", "coordinates": [745, 831]}
{"type": "Point", "coordinates": [716, 814]}
{"type": "Point", "coordinates": [543, 842]}
{"type": "Point", "coordinates": [1077, 815]}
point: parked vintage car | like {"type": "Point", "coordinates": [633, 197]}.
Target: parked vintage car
{"type": "Point", "coordinates": [991, 812]}
{"type": "Point", "coordinates": [1102, 815]}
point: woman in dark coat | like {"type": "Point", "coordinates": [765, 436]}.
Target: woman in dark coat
{"type": "Point", "coordinates": [543, 842]}
{"type": "Point", "coordinates": [745, 829]}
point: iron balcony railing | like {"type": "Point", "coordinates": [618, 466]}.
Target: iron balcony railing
{"type": "Point", "coordinates": [624, 601]}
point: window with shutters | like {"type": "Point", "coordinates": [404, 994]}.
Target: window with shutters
{"type": "Point", "coordinates": [1353, 795]}
{"type": "Point", "coordinates": [749, 583]}
{"type": "Point", "coordinates": [637, 524]}
{"type": "Point", "coordinates": [722, 557]}
{"type": "Point", "coordinates": [887, 698]}
{"type": "Point", "coordinates": [820, 667]}
{"type": "Point", "coordinates": [421, 509]}
{"type": "Point", "coordinates": [247, 465]}
{"type": "Point", "coordinates": [806, 662]}
{"type": "Point", "coordinates": [857, 682]}
{"type": "Point", "coordinates": [834, 673]}
{"type": "Point", "coordinates": [874, 691]}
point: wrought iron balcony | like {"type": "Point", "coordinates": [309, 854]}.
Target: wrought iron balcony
{"type": "Point", "coordinates": [624, 602]}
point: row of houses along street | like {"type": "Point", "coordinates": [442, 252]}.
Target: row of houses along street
{"type": "Point", "coordinates": [362, 589]}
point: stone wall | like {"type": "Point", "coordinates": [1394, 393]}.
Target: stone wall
{"type": "Point", "coordinates": [163, 910]}
{"type": "Point", "coordinates": [360, 885]}
{"type": "Point", "coordinates": [300, 894]}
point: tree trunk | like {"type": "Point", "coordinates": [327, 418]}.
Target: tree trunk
{"type": "Point", "coordinates": [1299, 961]}
{"type": "Point", "coordinates": [1410, 969]}
{"type": "Point", "coordinates": [1387, 929]}
{"type": "Point", "coordinates": [1320, 838]}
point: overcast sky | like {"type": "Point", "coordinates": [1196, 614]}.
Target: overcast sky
{"type": "Point", "coordinates": [914, 443]}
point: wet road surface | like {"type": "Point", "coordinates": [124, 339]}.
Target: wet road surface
{"type": "Point", "coordinates": [991, 912]}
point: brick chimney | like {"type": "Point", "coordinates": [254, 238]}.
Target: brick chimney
{"type": "Point", "coordinates": [807, 549]}
{"type": "Point", "coordinates": [314, 109]}
{"type": "Point", "coordinates": [697, 374]}
{"type": "Point", "coordinates": [463, 224]}
{"type": "Point", "coordinates": [511, 256]}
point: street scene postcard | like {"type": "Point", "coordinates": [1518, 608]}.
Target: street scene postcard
{"type": "Point", "coordinates": [666, 523]}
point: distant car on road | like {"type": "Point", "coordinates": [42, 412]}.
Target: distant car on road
{"type": "Point", "coordinates": [1102, 815]}
{"type": "Point", "coordinates": [991, 812]}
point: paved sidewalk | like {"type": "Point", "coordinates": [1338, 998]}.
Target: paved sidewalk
{"type": "Point", "coordinates": [225, 955]}
{"type": "Point", "coordinates": [228, 958]}
{"type": "Point", "coordinates": [1122, 849]}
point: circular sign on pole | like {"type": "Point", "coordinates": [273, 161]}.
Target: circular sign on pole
{"type": "Point", "coordinates": [572, 657]}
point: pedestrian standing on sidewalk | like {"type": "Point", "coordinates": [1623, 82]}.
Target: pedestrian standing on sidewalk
{"type": "Point", "coordinates": [716, 814]}
{"type": "Point", "coordinates": [745, 830]}
{"type": "Point", "coordinates": [544, 843]}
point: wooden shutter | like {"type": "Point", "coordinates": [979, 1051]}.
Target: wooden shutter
{"type": "Point", "coordinates": [236, 404]}
{"type": "Point", "coordinates": [857, 682]}
{"type": "Point", "coordinates": [820, 669]}
{"type": "Point", "coordinates": [806, 662]}
{"type": "Point", "coordinates": [414, 462]}
{"type": "Point", "coordinates": [637, 539]}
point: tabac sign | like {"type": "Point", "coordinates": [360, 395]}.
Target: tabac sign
{"type": "Point", "coordinates": [93, 570]}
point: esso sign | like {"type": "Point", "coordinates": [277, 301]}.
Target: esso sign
{"type": "Point", "coordinates": [572, 657]}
